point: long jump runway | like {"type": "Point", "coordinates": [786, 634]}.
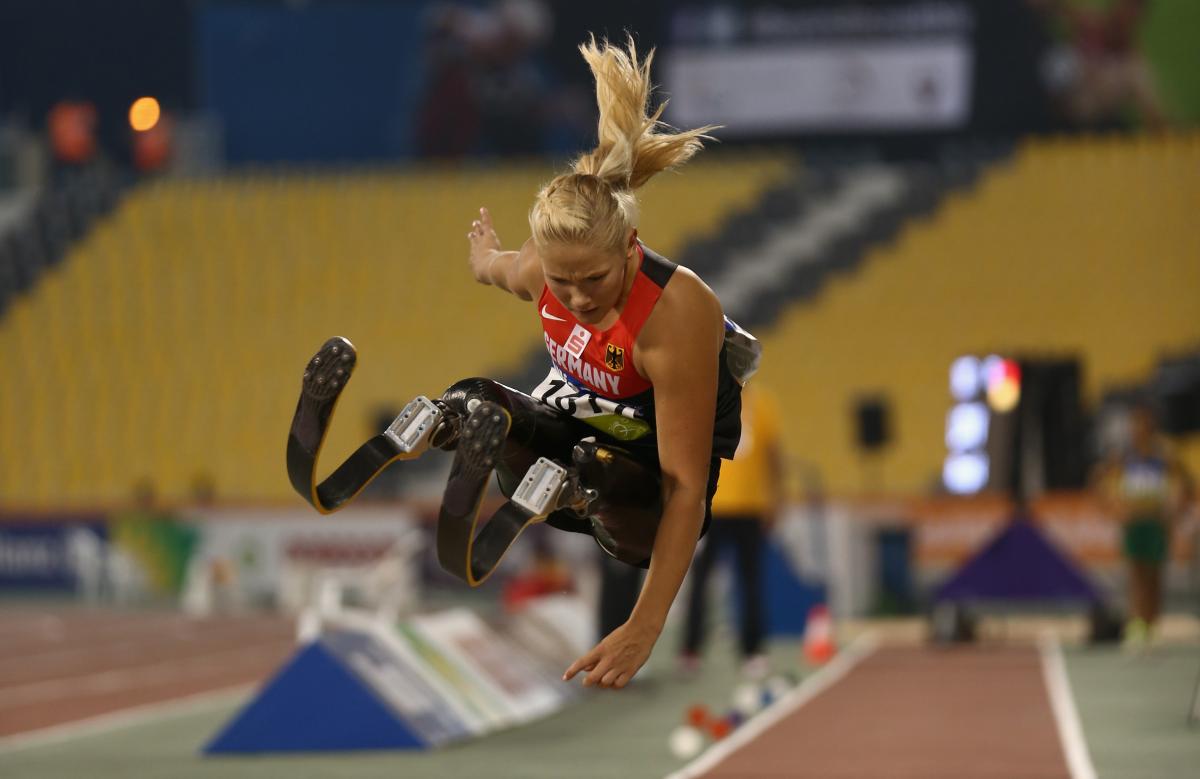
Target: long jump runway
{"type": "Point", "coordinates": [901, 712]}
{"type": "Point", "coordinates": [64, 665]}
{"type": "Point", "coordinates": [915, 712]}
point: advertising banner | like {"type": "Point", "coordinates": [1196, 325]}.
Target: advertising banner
{"type": "Point", "coordinates": [62, 555]}
{"type": "Point", "coordinates": [826, 68]}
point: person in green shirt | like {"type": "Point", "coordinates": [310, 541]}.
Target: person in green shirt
{"type": "Point", "coordinates": [1145, 489]}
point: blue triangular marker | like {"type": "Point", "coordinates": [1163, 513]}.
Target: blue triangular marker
{"type": "Point", "coordinates": [315, 704]}
{"type": "Point", "coordinates": [1019, 564]}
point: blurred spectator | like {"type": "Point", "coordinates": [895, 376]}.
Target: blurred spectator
{"type": "Point", "coordinates": [747, 501]}
{"type": "Point", "coordinates": [152, 147]}
{"type": "Point", "coordinates": [203, 490]}
{"type": "Point", "coordinates": [483, 80]}
{"type": "Point", "coordinates": [1146, 488]}
{"type": "Point", "coordinates": [72, 128]}
{"type": "Point", "coordinates": [1098, 74]}
{"type": "Point", "coordinates": [145, 495]}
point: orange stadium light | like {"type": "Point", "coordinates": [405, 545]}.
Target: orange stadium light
{"type": "Point", "coordinates": [144, 114]}
{"type": "Point", "coordinates": [1003, 385]}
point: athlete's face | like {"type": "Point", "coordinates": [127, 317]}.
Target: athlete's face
{"type": "Point", "coordinates": [588, 281]}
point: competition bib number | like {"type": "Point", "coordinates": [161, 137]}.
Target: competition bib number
{"type": "Point", "coordinates": [615, 419]}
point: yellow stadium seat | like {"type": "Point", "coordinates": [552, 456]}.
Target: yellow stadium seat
{"type": "Point", "coordinates": [1084, 247]}
{"type": "Point", "coordinates": [171, 340]}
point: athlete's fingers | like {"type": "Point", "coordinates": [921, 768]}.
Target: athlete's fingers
{"type": "Point", "coordinates": [610, 678]}
{"type": "Point", "coordinates": [585, 663]}
{"type": "Point", "coordinates": [597, 673]}
{"type": "Point", "coordinates": [486, 216]}
{"type": "Point", "coordinates": [588, 671]}
{"type": "Point", "coordinates": [622, 680]}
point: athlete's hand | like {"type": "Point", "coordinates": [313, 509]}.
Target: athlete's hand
{"type": "Point", "coordinates": [614, 661]}
{"type": "Point", "coordinates": [484, 246]}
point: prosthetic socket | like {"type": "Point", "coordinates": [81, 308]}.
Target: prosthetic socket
{"type": "Point", "coordinates": [551, 465]}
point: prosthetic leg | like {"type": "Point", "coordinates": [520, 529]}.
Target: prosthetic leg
{"type": "Point", "coordinates": [545, 462]}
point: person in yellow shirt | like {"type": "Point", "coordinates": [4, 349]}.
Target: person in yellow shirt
{"type": "Point", "coordinates": [747, 501]}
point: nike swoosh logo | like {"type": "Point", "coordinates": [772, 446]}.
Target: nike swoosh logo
{"type": "Point", "coordinates": [548, 315]}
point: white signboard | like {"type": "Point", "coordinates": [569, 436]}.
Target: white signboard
{"type": "Point", "coordinates": [753, 88]}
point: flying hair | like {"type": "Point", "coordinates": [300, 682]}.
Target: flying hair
{"type": "Point", "coordinates": [595, 203]}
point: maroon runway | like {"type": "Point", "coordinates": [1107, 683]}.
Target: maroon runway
{"type": "Point", "coordinates": [915, 713]}
{"type": "Point", "coordinates": [61, 664]}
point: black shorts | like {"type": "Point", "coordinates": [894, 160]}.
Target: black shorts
{"type": "Point", "coordinates": [565, 519]}
{"type": "Point", "coordinates": [538, 430]}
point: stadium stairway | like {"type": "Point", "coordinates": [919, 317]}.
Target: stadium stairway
{"type": "Point", "coordinates": [38, 228]}
{"type": "Point", "coordinates": [1077, 247]}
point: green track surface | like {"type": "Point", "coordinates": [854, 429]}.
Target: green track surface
{"type": "Point", "coordinates": [606, 734]}
{"type": "Point", "coordinates": [1134, 711]}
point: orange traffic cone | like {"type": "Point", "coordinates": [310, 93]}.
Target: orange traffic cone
{"type": "Point", "coordinates": [819, 646]}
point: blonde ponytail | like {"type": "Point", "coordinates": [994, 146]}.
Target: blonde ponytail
{"type": "Point", "coordinates": [630, 148]}
{"type": "Point", "coordinates": [595, 203]}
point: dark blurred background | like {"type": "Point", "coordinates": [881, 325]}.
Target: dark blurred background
{"type": "Point", "coordinates": [357, 81]}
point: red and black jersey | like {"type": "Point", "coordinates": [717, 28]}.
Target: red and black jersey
{"type": "Point", "coordinates": [593, 377]}
{"type": "Point", "coordinates": [602, 360]}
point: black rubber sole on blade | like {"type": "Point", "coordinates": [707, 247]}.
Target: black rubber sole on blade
{"type": "Point", "coordinates": [480, 444]}
{"type": "Point", "coordinates": [329, 369]}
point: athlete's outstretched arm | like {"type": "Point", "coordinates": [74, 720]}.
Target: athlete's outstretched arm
{"type": "Point", "coordinates": [518, 272]}
{"type": "Point", "coordinates": [679, 351]}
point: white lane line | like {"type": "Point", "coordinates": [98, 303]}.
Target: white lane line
{"type": "Point", "coordinates": [812, 686]}
{"type": "Point", "coordinates": [122, 650]}
{"type": "Point", "coordinates": [103, 682]}
{"type": "Point", "coordinates": [126, 718]}
{"type": "Point", "coordinates": [1062, 702]}
{"type": "Point", "coordinates": [102, 637]}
